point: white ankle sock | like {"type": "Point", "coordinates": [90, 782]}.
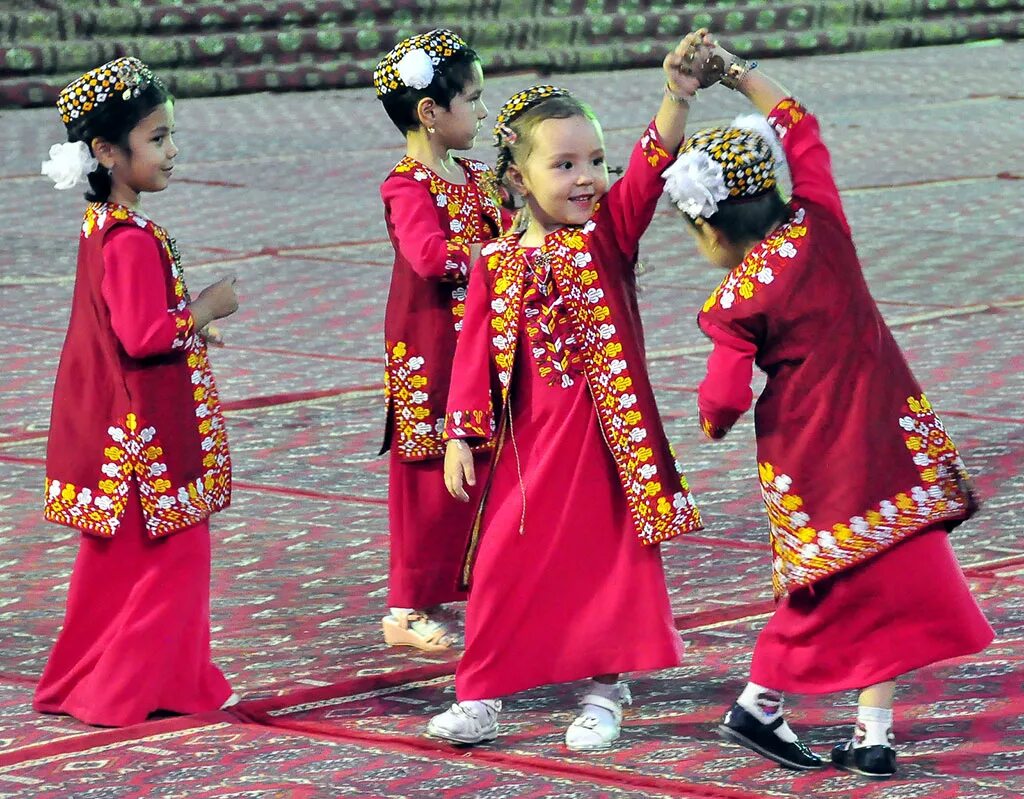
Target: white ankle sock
{"type": "Point", "coordinates": [765, 705]}
{"type": "Point", "coordinates": [874, 727]}
{"type": "Point", "coordinates": [399, 612]}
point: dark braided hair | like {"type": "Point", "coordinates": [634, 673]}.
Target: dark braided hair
{"type": "Point", "coordinates": [114, 121]}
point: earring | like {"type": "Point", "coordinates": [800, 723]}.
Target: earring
{"type": "Point", "coordinates": [430, 130]}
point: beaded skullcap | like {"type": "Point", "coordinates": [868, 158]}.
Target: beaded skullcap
{"type": "Point", "coordinates": [518, 104]}
{"type": "Point", "coordinates": [746, 158]}
{"type": "Point", "coordinates": [123, 78]}
{"type": "Point", "coordinates": [439, 45]}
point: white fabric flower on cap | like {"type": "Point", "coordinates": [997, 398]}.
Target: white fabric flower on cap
{"type": "Point", "coordinates": [415, 69]}
{"type": "Point", "coordinates": [696, 184]}
{"type": "Point", "coordinates": [70, 164]}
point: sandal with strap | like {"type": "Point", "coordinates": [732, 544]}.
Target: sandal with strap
{"type": "Point", "coordinates": [470, 722]}
{"type": "Point", "coordinates": [594, 732]}
{"type": "Point", "coordinates": [418, 630]}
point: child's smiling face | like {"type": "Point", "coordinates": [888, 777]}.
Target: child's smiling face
{"type": "Point", "coordinates": [148, 165]}
{"type": "Point", "coordinates": [565, 174]}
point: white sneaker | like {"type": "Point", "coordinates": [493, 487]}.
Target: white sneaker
{"type": "Point", "coordinates": [470, 722]}
{"type": "Point", "coordinates": [600, 723]}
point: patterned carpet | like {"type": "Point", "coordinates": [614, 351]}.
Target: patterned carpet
{"type": "Point", "coordinates": [282, 190]}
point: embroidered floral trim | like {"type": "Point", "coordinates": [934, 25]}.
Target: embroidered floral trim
{"type": "Point", "coordinates": [136, 450]}
{"type": "Point", "coordinates": [553, 341]}
{"type": "Point", "coordinates": [469, 424]}
{"type": "Point", "coordinates": [661, 505]}
{"type": "Point", "coordinates": [650, 145]}
{"type": "Point", "coordinates": [710, 430]}
{"type": "Point", "coordinates": [785, 115]}
{"type": "Point", "coordinates": [804, 554]}
{"type": "Point", "coordinates": [762, 266]}
{"type": "Point", "coordinates": [467, 206]}
{"type": "Point", "coordinates": [418, 430]}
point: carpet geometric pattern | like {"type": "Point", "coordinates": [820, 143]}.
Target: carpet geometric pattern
{"type": "Point", "coordinates": [282, 190]}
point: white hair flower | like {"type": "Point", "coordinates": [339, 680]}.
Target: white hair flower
{"type": "Point", "coordinates": [70, 164]}
{"type": "Point", "coordinates": [696, 184]}
{"type": "Point", "coordinates": [415, 69]}
{"type": "Point", "coordinates": [763, 128]}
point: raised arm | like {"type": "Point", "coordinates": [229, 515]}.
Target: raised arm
{"type": "Point", "coordinates": [633, 199]}
{"type": "Point", "coordinates": [806, 155]}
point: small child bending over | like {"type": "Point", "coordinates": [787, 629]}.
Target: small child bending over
{"type": "Point", "coordinates": [567, 575]}
{"type": "Point", "coordinates": [860, 480]}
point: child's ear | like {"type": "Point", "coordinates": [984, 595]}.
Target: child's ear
{"type": "Point", "coordinates": [515, 177]}
{"type": "Point", "coordinates": [104, 152]}
{"type": "Point", "coordinates": [426, 112]}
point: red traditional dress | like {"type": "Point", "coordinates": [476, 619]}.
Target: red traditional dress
{"type": "Point", "coordinates": [137, 452]}
{"type": "Point", "coordinates": [859, 477]}
{"type": "Point", "coordinates": [583, 475]}
{"type": "Point", "coordinates": [431, 224]}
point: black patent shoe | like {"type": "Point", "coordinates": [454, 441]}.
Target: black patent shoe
{"type": "Point", "coordinates": [877, 762]}
{"type": "Point", "coordinates": [743, 728]}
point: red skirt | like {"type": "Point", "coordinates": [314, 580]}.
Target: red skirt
{"type": "Point", "coordinates": [564, 589]}
{"type": "Point", "coordinates": [429, 531]}
{"type": "Point", "coordinates": [136, 635]}
{"type": "Point", "coordinates": [906, 608]}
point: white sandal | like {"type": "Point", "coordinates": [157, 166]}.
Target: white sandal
{"type": "Point", "coordinates": [470, 722]}
{"type": "Point", "coordinates": [415, 628]}
{"type": "Point", "coordinates": [592, 731]}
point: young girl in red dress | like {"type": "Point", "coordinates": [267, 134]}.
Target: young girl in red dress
{"type": "Point", "coordinates": [860, 480]}
{"type": "Point", "coordinates": [137, 458]}
{"type": "Point", "coordinates": [438, 209]}
{"type": "Point", "coordinates": [567, 579]}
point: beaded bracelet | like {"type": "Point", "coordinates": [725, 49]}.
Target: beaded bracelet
{"type": "Point", "coordinates": [676, 98]}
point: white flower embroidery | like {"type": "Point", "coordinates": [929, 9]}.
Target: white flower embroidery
{"type": "Point", "coordinates": [84, 496]}
{"type": "Point", "coordinates": [415, 362]}
{"type": "Point", "coordinates": [766, 275]}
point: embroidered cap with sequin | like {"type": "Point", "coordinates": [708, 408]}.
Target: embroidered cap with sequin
{"type": "Point", "coordinates": [438, 46]}
{"type": "Point", "coordinates": [746, 158]}
{"type": "Point", "coordinates": [516, 105]}
{"type": "Point", "coordinates": [122, 79]}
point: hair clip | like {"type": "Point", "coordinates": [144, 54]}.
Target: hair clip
{"type": "Point", "coordinates": [508, 135]}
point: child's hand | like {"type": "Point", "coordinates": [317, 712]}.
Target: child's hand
{"type": "Point", "coordinates": [220, 298]}
{"type": "Point", "coordinates": [212, 336]}
{"type": "Point", "coordinates": [679, 64]}
{"type": "Point", "coordinates": [458, 465]}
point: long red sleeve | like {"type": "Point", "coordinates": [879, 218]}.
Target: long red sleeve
{"type": "Point", "coordinates": [725, 394]}
{"type": "Point", "coordinates": [633, 199]}
{"type": "Point", "coordinates": [470, 412]}
{"type": "Point", "coordinates": [809, 163]}
{"type": "Point", "coordinates": [420, 238]}
{"type": "Point", "coordinates": [135, 289]}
